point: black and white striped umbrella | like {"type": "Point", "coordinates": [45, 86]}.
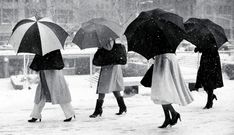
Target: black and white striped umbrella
{"type": "Point", "coordinates": [37, 35]}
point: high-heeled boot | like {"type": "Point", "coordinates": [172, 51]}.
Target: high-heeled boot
{"type": "Point", "coordinates": [34, 120]}
{"type": "Point", "coordinates": [98, 109]}
{"type": "Point", "coordinates": [210, 99]}
{"type": "Point", "coordinates": [214, 97]}
{"type": "Point", "coordinates": [175, 118]}
{"type": "Point", "coordinates": [122, 106]}
{"type": "Point", "coordinates": [167, 118]}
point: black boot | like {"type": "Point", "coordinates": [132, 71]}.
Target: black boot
{"type": "Point", "coordinates": [175, 118]}
{"type": "Point", "coordinates": [98, 109]}
{"type": "Point", "coordinates": [210, 99]}
{"type": "Point", "coordinates": [34, 120]}
{"type": "Point", "coordinates": [122, 106]}
{"type": "Point", "coordinates": [167, 117]}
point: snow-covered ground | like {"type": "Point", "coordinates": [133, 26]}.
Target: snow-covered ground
{"type": "Point", "coordinates": [143, 117]}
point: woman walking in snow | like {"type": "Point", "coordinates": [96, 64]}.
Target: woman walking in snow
{"type": "Point", "coordinates": [209, 74]}
{"type": "Point", "coordinates": [110, 80]}
{"type": "Point", "coordinates": [168, 87]}
{"type": "Point", "coordinates": [52, 86]}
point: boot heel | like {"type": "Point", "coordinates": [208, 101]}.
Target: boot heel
{"type": "Point", "coordinates": [98, 109]}
{"type": "Point", "coordinates": [175, 119]}
{"type": "Point", "coordinates": [100, 114]}
{"type": "Point", "coordinates": [122, 106]}
{"type": "Point", "coordinates": [214, 97]}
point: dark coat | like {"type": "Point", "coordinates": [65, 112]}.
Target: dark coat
{"type": "Point", "coordinates": [117, 55]}
{"type": "Point", "coordinates": [209, 74]}
{"type": "Point", "coordinates": [50, 61]}
{"type": "Point", "coordinates": [52, 83]}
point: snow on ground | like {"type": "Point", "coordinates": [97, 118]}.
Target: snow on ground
{"type": "Point", "coordinates": [143, 117]}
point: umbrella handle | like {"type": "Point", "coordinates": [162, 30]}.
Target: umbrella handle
{"type": "Point", "coordinates": [26, 62]}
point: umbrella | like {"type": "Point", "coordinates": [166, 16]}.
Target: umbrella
{"type": "Point", "coordinates": [93, 35]}
{"type": "Point", "coordinates": [37, 35]}
{"type": "Point", "coordinates": [155, 32]}
{"type": "Point", "coordinates": [112, 25]}
{"type": "Point", "coordinates": [204, 33]}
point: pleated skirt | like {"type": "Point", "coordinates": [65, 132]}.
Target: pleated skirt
{"type": "Point", "coordinates": [168, 85]}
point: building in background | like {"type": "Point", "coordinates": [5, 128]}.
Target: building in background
{"type": "Point", "coordinates": [219, 11]}
{"type": "Point", "coordinates": [11, 11]}
{"type": "Point", "coordinates": [131, 8]}
{"type": "Point", "coordinates": [71, 13]}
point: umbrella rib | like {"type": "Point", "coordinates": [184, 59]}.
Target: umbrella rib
{"type": "Point", "coordinates": [208, 28]}
{"type": "Point", "coordinates": [97, 38]}
{"type": "Point", "coordinates": [24, 21]}
{"type": "Point", "coordinates": [60, 33]}
{"type": "Point", "coordinates": [40, 38]}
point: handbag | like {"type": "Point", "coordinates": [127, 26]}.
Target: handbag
{"type": "Point", "coordinates": [116, 56]}
{"type": "Point", "coordinates": [147, 78]}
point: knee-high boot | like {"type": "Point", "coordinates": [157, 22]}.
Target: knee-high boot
{"type": "Point", "coordinates": [122, 106]}
{"type": "Point", "coordinates": [167, 117]}
{"type": "Point", "coordinates": [98, 109]}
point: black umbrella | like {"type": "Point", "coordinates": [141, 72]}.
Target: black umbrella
{"type": "Point", "coordinates": [155, 32]}
{"type": "Point", "coordinates": [204, 33]}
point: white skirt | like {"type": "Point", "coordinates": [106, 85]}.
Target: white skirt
{"type": "Point", "coordinates": [168, 85]}
{"type": "Point", "coordinates": [110, 79]}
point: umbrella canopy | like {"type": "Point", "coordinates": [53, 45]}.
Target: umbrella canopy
{"type": "Point", "coordinates": [93, 35]}
{"type": "Point", "coordinates": [111, 24]}
{"type": "Point", "coordinates": [155, 32]}
{"type": "Point", "coordinates": [204, 33]}
{"type": "Point", "coordinates": [37, 35]}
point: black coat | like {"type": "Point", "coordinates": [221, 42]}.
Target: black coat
{"type": "Point", "coordinates": [209, 74]}
{"type": "Point", "coordinates": [116, 56]}
{"type": "Point", "coordinates": [50, 61]}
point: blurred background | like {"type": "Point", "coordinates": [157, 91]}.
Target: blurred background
{"type": "Point", "coordinates": [70, 14]}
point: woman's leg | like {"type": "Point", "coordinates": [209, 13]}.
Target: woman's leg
{"type": "Point", "coordinates": [101, 96]}
{"type": "Point", "coordinates": [117, 94]}
{"type": "Point", "coordinates": [120, 101]}
{"type": "Point", "coordinates": [98, 108]}
{"type": "Point", "coordinates": [167, 117]}
{"type": "Point", "coordinates": [68, 111]}
{"type": "Point", "coordinates": [36, 112]}
{"type": "Point", "coordinates": [171, 109]}
{"type": "Point", "coordinates": [210, 97]}
{"type": "Point", "coordinates": [174, 114]}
